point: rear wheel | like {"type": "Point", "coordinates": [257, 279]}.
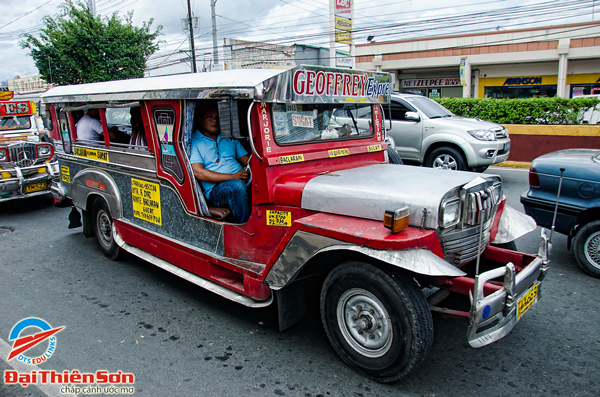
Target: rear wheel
{"type": "Point", "coordinates": [102, 225]}
{"type": "Point", "coordinates": [447, 158]}
{"type": "Point", "coordinates": [394, 156]}
{"type": "Point", "coordinates": [587, 248]}
{"type": "Point", "coordinates": [378, 323]}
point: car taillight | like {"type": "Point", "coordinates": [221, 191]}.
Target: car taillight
{"type": "Point", "coordinates": [4, 157]}
{"type": "Point", "coordinates": [534, 179]}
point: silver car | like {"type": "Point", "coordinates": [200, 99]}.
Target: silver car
{"type": "Point", "coordinates": [426, 132]}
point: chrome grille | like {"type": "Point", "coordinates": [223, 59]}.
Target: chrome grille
{"type": "Point", "coordinates": [478, 204]}
{"type": "Point", "coordinates": [460, 245]}
{"type": "Point", "coordinates": [500, 133]}
{"type": "Point", "coordinates": [22, 154]}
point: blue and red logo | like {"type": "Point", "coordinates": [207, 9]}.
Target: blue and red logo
{"type": "Point", "coordinates": [29, 342]}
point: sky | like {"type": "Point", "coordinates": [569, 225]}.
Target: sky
{"type": "Point", "coordinates": [288, 22]}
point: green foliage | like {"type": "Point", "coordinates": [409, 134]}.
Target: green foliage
{"type": "Point", "coordinates": [75, 47]}
{"type": "Point", "coordinates": [521, 111]}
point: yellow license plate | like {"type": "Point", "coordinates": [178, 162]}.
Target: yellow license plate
{"type": "Point", "coordinates": [526, 301]}
{"type": "Point", "coordinates": [36, 187]}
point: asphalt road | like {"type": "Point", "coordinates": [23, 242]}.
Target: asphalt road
{"type": "Point", "coordinates": [179, 340]}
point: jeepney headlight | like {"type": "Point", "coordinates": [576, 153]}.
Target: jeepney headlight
{"type": "Point", "coordinates": [483, 135]}
{"type": "Point", "coordinates": [44, 150]}
{"type": "Point", "coordinates": [450, 212]}
{"type": "Point", "coordinates": [3, 155]}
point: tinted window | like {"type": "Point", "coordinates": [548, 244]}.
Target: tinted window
{"type": "Point", "coordinates": [430, 108]}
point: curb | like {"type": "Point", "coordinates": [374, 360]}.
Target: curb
{"type": "Point", "coordinates": [514, 164]}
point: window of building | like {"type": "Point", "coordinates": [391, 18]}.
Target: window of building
{"type": "Point", "coordinates": [532, 91]}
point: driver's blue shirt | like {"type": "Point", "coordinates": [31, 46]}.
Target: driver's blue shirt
{"type": "Point", "coordinates": [220, 156]}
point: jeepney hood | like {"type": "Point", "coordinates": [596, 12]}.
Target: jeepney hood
{"type": "Point", "coordinates": [366, 192]}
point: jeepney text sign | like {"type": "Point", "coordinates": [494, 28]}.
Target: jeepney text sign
{"type": "Point", "coordinates": [146, 200]}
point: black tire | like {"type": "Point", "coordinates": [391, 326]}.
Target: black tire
{"type": "Point", "coordinates": [511, 245]}
{"type": "Point", "coordinates": [398, 317]}
{"type": "Point", "coordinates": [102, 225]}
{"type": "Point", "coordinates": [394, 157]}
{"type": "Point", "coordinates": [587, 248]}
{"type": "Point", "coordinates": [448, 158]}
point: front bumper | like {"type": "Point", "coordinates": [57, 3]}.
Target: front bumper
{"type": "Point", "coordinates": [493, 316]}
{"type": "Point", "coordinates": [22, 178]}
{"type": "Point", "coordinates": [489, 152]}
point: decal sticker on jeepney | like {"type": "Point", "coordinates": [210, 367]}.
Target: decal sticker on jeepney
{"type": "Point", "coordinates": [265, 125]}
{"type": "Point", "coordinates": [339, 152]}
{"type": "Point", "coordinates": [374, 148]}
{"type": "Point", "coordinates": [279, 218]}
{"type": "Point", "coordinates": [146, 200]}
{"type": "Point", "coordinates": [65, 174]}
{"type": "Point", "coordinates": [95, 184]}
{"type": "Point", "coordinates": [280, 119]}
{"type": "Point", "coordinates": [165, 124]}
{"type": "Point", "coordinates": [294, 158]}
{"type": "Point", "coordinates": [351, 87]}
{"type": "Point", "coordinates": [92, 154]}
{"type": "Point", "coordinates": [377, 120]}
{"type": "Point", "coordinates": [300, 120]}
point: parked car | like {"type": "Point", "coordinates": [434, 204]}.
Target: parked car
{"type": "Point", "coordinates": [427, 133]}
{"type": "Point", "coordinates": [592, 115]}
{"type": "Point", "coordinates": [578, 215]}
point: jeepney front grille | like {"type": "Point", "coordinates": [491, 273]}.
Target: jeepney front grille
{"type": "Point", "coordinates": [460, 245]}
{"type": "Point", "coordinates": [22, 154]}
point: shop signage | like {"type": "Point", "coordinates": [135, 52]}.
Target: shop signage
{"type": "Point", "coordinates": [344, 61]}
{"type": "Point", "coordinates": [448, 82]}
{"type": "Point", "coordinates": [343, 37]}
{"type": "Point", "coordinates": [463, 63]}
{"type": "Point", "coordinates": [523, 81]}
{"type": "Point", "coordinates": [343, 7]}
{"type": "Point", "coordinates": [343, 24]}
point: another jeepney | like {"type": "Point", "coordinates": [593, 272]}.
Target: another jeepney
{"type": "Point", "coordinates": [382, 246]}
{"type": "Point", "coordinates": [27, 167]}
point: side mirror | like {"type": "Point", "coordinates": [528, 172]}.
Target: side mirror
{"type": "Point", "coordinates": [412, 116]}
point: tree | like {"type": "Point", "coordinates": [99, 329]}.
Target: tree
{"type": "Point", "coordinates": [76, 48]}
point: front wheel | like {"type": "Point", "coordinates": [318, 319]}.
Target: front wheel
{"type": "Point", "coordinates": [587, 248]}
{"type": "Point", "coordinates": [102, 225]}
{"type": "Point", "coordinates": [394, 157]}
{"type": "Point", "coordinates": [447, 158]}
{"type": "Point", "coordinates": [378, 323]}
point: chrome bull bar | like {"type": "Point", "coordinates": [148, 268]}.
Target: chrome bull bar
{"type": "Point", "coordinates": [493, 316]}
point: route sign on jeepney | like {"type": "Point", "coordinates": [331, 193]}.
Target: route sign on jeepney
{"type": "Point", "coordinates": [22, 108]}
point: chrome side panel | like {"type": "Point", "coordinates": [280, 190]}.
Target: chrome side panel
{"type": "Point", "coordinates": [303, 246]}
{"type": "Point", "coordinates": [513, 224]}
{"type": "Point", "coordinates": [80, 190]}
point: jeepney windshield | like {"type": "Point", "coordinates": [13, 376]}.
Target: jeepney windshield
{"type": "Point", "coordinates": [15, 123]}
{"type": "Point", "coordinates": [321, 122]}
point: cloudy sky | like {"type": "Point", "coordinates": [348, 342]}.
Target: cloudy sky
{"type": "Point", "coordinates": [290, 21]}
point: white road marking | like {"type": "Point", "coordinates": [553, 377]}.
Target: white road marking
{"type": "Point", "coordinates": [51, 390]}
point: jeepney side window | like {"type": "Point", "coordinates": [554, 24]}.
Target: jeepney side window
{"type": "Point", "coordinates": [164, 120]}
{"type": "Point", "coordinates": [304, 123]}
{"type": "Point", "coordinates": [48, 121]}
{"type": "Point", "coordinates": [65, 131]}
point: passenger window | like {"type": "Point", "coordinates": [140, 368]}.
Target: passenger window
{"type": "Point", "coordinates": [398, 111]}
{"type": "Point", "coordinates": [164, 119]}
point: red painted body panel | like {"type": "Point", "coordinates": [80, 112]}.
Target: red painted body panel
{"type": "Point", "coordinates": [494, 230]}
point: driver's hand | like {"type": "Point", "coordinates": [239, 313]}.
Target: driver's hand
{"type": "Point", "coordinates": [242, 175]}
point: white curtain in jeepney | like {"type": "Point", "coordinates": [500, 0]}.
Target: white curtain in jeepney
{"type": "Point", "coordinates": [188, 130]}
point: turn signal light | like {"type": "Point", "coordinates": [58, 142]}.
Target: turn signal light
{"type": "Point", "coordinates": [396, 220]}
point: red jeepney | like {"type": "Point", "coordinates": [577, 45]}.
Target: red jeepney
{"type": "Point", "coordinates": [382, 245]}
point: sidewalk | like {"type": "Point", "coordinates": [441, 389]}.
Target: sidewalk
{"type": "Point", "coordinates": [514, 164]}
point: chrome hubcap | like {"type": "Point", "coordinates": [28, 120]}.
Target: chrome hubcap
{"type": "Point", "coordinates": [592, 249]}
{"type": "Point", "coordinates": [446, 162]}
{"type": "Point", "coordinates": [364, 323]}
{"type": "Point", "coordinates": [105, 228]}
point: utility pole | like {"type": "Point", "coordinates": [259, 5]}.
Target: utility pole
{"type": "Point", "coordinates": [214, 32]}
{"type": "Point", "coordinates": [191, 25]}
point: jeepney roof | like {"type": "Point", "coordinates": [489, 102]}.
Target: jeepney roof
{"type": "Point", "coordinates": [268, 85]}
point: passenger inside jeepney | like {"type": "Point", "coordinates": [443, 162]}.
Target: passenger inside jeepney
{"type": "Point", "coordinates": [218, 163]}
{"type": "Point", "coordinates": [89, 127]}
{"type": "Point", "coordinates": [138, 135]}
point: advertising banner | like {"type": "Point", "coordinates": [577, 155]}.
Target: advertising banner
{"type": "Point", "coordinates": [343, 7]}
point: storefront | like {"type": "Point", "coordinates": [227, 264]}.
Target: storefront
{"type": "Point", "coordinates": [433, 87]}
{"type": "Point", "coordinates": [537, 86]}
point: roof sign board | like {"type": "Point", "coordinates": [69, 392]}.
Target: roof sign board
{"type": "Point", "coordinates": [21, 108]}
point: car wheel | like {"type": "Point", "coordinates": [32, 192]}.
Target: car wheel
{"type": "Point", "coordinates": [379, 324]}
{"type": "Point", "coordinates": [511, 245]}
{"type": "Point", "coordinates": [447, 158]}
{"type": "Point", "coordinates": [102, 225]}
{"type": "Point", "coordinates": [394, 157]}
{"type": "Point", "coordinates": [587, 248]}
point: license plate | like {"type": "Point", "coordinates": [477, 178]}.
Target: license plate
{"type": "Point", "coordinates": [506, 146]}
{"type": "Point", "coordinates": [36, 187]}
{"type": "Point", "coordinates": [526, 301]}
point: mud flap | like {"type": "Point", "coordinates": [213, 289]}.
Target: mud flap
{"type": "Point", "coordinates": [292, 304]}
{"type": "Point", "coordinates": [74, 219]}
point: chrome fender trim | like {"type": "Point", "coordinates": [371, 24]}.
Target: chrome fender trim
{"type": "Point", "coordinates": [303, 246]}
{"type": "Point", "coordinates": [513, 224]}
{"type": "Point", "coordinates": [192, 278]}
{"type": "Point", "coordinates": [80, 190]}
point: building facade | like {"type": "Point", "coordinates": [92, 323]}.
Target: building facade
{"type": "Point", "coordinates": [559, 60]}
